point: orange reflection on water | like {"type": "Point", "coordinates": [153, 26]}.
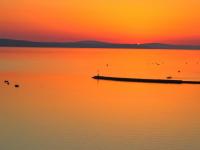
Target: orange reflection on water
{"type": "Point", "coordinates": [59, 102]}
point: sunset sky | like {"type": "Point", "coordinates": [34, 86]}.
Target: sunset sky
{"type": "Point", "coordinates": [124, 21]}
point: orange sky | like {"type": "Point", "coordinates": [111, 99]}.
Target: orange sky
{"type": "Point", "coordinates": [126, 21]}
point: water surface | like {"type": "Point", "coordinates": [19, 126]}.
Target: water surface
{"type": "Point", "coordinates": [60, 107]}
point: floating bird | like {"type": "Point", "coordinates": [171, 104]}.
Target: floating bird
{"type": "Point", "coordinates": [7, 82]}
{"type": "Point", "coordinates": [157, 64]}
{"type": "Point", "coordinates": [16, 86]}
{"type": "Point", "coordinates": [179, 71]}
{"type": "Point", "coordinates": [169, 77]}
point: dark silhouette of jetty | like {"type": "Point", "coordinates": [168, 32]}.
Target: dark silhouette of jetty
{"type": "Point", "coordinates": [165, 81]}
{"type": "Point", "coordinates": [92, 44]}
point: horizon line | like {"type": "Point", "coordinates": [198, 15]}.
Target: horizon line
{"type": "Point", "coordinates": [99, 41]}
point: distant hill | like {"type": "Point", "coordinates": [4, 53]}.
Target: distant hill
{"type": "Point", "coordinates": [92, 44]}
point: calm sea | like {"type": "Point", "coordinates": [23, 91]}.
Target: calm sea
{"type": "Point", "coordinates": [58, 106]}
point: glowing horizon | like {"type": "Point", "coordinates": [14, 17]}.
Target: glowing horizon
{"type": "Point", "coordinates": [116, 21]}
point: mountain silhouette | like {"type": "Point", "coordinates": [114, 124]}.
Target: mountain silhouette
{"type": "Point", "coordinates": [92, 44]}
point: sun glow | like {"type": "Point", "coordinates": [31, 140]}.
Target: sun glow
{"type": "Point", "coordinates": [127, 21]}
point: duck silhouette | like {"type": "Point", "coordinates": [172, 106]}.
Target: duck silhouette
{"type": "Point", "coordinates": [16, 85]}
{"type": "Point", "coordinates": [7, 82]}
